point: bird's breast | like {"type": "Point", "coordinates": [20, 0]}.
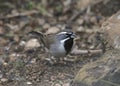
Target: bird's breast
{"type": "Point", "coordinates": [58, 50]}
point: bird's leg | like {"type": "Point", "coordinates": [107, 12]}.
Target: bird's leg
{"type": "Point", "coordinates": [51, 59]}
{"type": "Point", "coordinates": [70, 58]}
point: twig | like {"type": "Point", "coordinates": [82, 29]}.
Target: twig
{"type": "Point", "coordinates": [83, 52]}
{"type": "Point", "coordinates": [27, 13]}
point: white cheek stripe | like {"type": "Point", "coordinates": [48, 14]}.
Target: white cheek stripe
{"type": "Point", "coordinates": [62, 41]}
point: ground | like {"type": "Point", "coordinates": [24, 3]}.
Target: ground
{"type": "Point", "coordinates": [20, 66]}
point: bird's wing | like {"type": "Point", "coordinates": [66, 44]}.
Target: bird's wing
{"type": "Point", "coordinates": [40, 36]}
{"type": "Point", "coordinates": [50, 39]}
{"type": "Point", "coordinates": [47, 40]}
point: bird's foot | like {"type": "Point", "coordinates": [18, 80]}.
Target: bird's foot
{"type": "Point", "coordinates": [51, 60]}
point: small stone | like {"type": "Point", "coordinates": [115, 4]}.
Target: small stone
{"type": "Point", "coordinates": [66, 84]}
{"type": "Point", "coordinates": [80, 29]}
{"type": "Point", "coordinates": [57, 84]}
{"type": "Point", "coordinates": [67, 2]}
{"type": "Point", "coordinates": [63, 18]}
{"type": "Point", "coordinates": [33, 61]}
{"type": "Point", "coordinates": [33, 43]}
{"type": "Point", "coordinates": [46, 26]}
{"type": "Point", "coordinates": [93, 20]}
{"type": "Point", "coordinates": [4, 80]}
{"type": "Point", "coordinates": [29, 83]}
{"type": "Point", "coordinates": [2, 41]}
{"type": "Point", "coordinates": [16, 38]}
{"type": "Point", "coordinates": [41, 21]}
{"type": "Point", "coordinates": [13, 56]}
{"type": "Point", "coordinates": [15, 12]}
{"type": "Point", "coordinates": [5, 64]}
{"type": "Point", "coordinates": [52, 78]}
{"type": "Point", "coordinates": [118, 17]}
{"type": "Point", "coordinates": [52, 30]}
{"type": "Point", "coordinates": [80, 21]}
{"type": "Point", "coordinates": [22, 43]}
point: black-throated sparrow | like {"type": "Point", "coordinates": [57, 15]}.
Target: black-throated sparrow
{"type": "Point", "coordinates": [59, 45]}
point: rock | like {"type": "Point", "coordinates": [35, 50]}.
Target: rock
{"type": "Point", "coordinates": [29, 83]}
{"type": "Point", "coordinates": [111, 30]}
{"type": "Point", "coordinates": [3, 41]}
{"type": "Point", "coordinates": [5, 64]}
{"type": "Point", "coordinates": [103, 72]}
{"type": "Point", "coordinates": [41, 21]}
{"type": "Point", "coordinates": [46, 26]}
{"type": "Point", "coordinates": [106, 70]}
{"type": "Point", "coordinates": [31, 44]}
{"type": "Point", "coordinates": [80, 21]}
{"type": "Point", "coordinates": [52, 30]}
{"type": "Point", "coordinates": [4, 79]}
{"type": "Point", "coordinates": [22, 43]}
{"type": "Point", "coordinates": [103, 7]}
{"type": "Point", "coordinates": [80, 29]}
{"type": "Point", "coordinates": [84, 3]}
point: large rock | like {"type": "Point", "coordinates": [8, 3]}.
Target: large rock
{"type": "Point", "coordinates": [106, 70]}
{"type": "Point", "coordinates": [103, 72]}
{"type": "Point", "coordinates": [111, 30]}
{"type": "Point", "coordinates": [103, 7]}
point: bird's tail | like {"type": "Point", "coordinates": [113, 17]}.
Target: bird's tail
{"type": "Point", "coordinates": [39, 35]}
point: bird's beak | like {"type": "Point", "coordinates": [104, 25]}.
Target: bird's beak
{"type": "Point", "coordinates": [73, 36]}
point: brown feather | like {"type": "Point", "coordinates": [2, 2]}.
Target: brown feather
{"type": "Point", "coordinates": [47, 40]}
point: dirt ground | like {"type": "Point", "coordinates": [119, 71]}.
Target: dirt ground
{"type": "Point", "coordinates": [20, 66]}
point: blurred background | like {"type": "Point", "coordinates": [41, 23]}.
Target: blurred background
{"type": "Point", "coordinates": [19, 17]}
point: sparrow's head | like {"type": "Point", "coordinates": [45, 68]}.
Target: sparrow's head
{"type": "Point", "coordinates": [67, 39]}
{"type": "Point", "coordinates": [66, 35]}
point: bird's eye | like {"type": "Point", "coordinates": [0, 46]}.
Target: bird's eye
{"type": "Point", "coordinates": [68, 34]}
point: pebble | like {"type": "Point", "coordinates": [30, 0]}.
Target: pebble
{"type": "Point", "coordinates": [32, 43]}
{"type": "Point", "coordinates": [29, 83]}
{"type": "Point", "coordinates": [80, 29]}
{"type": "Point", "coordinates": [93, 20]}
{"type": "Point", "coordinates": [66, 84]}
{"type": "Point", "coordinates": [46, 26]}
{"type": "Point", "coordinates": [80, 21]}
{"type": "Point", "coordinates": [22, 43]}
{"type": "Point", "coordinates": [5, 64]}
{"type": "Point", "coordinates": [4, 80]}
{"type": "Point", "coordinates": [52, 30]}
{"type": "Point", "coordinates": [41, 21]}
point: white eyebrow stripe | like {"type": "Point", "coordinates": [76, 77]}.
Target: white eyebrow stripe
{"type": "Point", "coordinates": [62, 33]}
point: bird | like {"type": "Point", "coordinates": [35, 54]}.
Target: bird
{"type": "Point", "coordinates": [59, 45]}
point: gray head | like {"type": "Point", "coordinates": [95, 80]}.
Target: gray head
{"type": "Point", "coordinates": [67, 38]}
{"type": "Point", "coordinates": [65, 35]}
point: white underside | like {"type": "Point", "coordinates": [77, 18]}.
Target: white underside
{"type": "Point", "coordinates": [58, 51]}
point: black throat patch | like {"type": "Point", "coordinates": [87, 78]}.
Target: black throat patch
{"type": "Point", "coordinates": [68, 45]}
